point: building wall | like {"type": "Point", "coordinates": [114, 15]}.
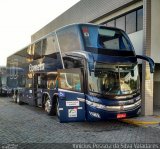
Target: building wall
{"type": "Point", "coordinates": [137, 41]}
{"type": "Point", "coordinates": [155, 30]}
{"type": "Point", "coordinates": [84, 11]}
{"type": "Point", "coordinates": [156, 93]}
{"type": "Point", "coordinates": [135, 37]}
{"type": "Point", "coordinates": [99, 12]}
{"type": "Point", "coordinates": [155, 47]}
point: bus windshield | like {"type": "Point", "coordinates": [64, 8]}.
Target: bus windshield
{"type": "Point", "coordinates": [12, 83]}
{"type": "Point", "coordinates": [108, 79]}
{"type": "Point", "coordinates": [105, 38]}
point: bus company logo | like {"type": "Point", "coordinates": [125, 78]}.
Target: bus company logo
{"type": "Point", "coordinates": [38, 67]}
{"type": "Point", "coordinates": [61, 94]}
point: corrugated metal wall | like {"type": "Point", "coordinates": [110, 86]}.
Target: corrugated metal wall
{"type": "Point", "coordinates": [84, 11]}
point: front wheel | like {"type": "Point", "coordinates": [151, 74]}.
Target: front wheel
{"type": "Point", "coordinates": [49, 108]}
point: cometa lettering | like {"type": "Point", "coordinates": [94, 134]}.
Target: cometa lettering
{"type": "Point", "coordinates": [38, 67]}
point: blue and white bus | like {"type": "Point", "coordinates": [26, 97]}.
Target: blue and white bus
{"type": "Point", "coordinates": [80, 72]}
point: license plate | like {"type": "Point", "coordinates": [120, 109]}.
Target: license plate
{"type": "Point", "coordinates": [121, 115]}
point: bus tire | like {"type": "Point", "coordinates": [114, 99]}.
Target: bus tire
{"type": "Point", "coordinates": [48, 106]}
{"type": "Point", "coordinates": [54, 102]}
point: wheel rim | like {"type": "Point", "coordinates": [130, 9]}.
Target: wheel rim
{"type": "Point", "coordinates": [47, 106]}
{"type": "Point", "coordinates": [18, 99]}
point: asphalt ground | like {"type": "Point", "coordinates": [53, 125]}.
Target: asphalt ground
{"type": "Point", "coordinates": [26, 126]}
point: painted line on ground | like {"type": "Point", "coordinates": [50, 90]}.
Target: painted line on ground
{"type": "Point", "coordinates": [137, 122]}
{"type": "Point", "coordinates": [157, 116]}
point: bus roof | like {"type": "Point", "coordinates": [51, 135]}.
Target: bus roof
{"type": "Point", "coordinates": [74, 24]}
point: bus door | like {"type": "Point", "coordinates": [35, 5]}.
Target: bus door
{"type": "Point", "coordinates": [36, 79]}
{"type": "Point", "coordinates": [30, 91]}
{"type": "Point", "coordinates": [38, 86]}
{"type": "Point", "coordinates": [71, 101]}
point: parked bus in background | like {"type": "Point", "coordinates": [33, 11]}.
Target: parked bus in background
{"type": "Point", "coordinates": [80, 72]}
{"type": "Point", "coordinates": [14, 80]}
{"type": "Point", "coordinates": [3, 81]}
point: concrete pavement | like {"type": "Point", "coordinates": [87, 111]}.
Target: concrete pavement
{"type": "Point", "coordinates": [146, 121]}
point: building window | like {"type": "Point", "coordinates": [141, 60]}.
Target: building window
{"type": "Point", "coordinates": [131, 22]}
{"type": "Point", "coordinates": [139, 19]}
{"type": "Point", "coordinates": [120, 23]}
{"type": "Point", "coordinates": [111, 23]}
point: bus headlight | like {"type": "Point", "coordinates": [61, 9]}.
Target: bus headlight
{"type": "Point", "coordinates": [96, 105]}
{"type": "Point", "coordinates": [115, 108]}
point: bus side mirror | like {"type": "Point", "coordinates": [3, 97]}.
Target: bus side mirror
{"type": "Point", "coordinates": [149, 60]}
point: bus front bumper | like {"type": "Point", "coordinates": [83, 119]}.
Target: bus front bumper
{"type": "Point", "coordinates": [95, 111]}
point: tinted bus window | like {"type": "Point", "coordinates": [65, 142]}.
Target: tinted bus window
{"type": "Point", "coordinates": [37, 50]}
{"type": "Point", "coordinates": [110, 79]}
{"type": "Point", "coordinates": [50, 46]}
{"type": "Point", "coordinates": [105, 38]}
{"type": "Point", "coordinates": [12, 82]}
{"type": "Point", "coordinates": [29, 80]}
{"type": "Point", "coordinates": [70, 81]}
{"type": "Point", "coordinates": [42, 80]}
{"type": "Point", "coordinates": [69, 39]}
{"type": "Point", "coordinates": [52, 80]}
{"type": "Point", "coordinates": [22, 81]}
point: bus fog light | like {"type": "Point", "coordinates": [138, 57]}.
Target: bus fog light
{"type": "Point", "coordinates": [94, 114]}
{"type": "Point", "coordinates": [96, 105]}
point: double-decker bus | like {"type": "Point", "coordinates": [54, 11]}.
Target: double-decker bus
{"type": "Point", "coordinates": [80, 72]}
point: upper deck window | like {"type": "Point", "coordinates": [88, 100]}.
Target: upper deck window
{"type": "Point", "coordinates": [106, 38]}
{"type": "Point", "coordinates": [69, 39]}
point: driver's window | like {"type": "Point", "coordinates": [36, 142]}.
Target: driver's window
{"type": "Point", "coordinates": [70, 81]}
